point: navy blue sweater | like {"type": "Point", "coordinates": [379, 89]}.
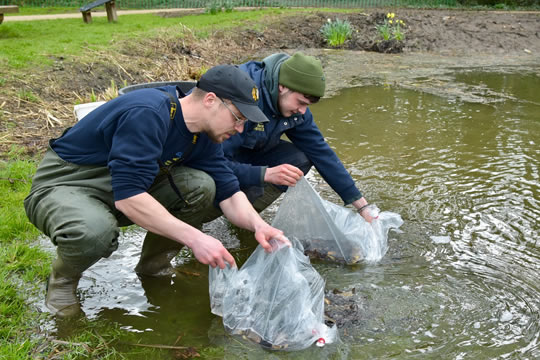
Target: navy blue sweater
{"type": "Point", "coordinates": [130, 133]}
{"type": "Point", "coordinates": [300, 129]}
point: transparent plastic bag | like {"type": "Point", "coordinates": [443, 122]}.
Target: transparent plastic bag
{"type": "Point", "coordinates": [275, 299]}
{"type": "Point", "coordinates": [332, 232]}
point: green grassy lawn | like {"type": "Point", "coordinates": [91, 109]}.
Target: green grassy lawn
{"type": "Point", "coordinates": [29, 10]}
{"type": "Point", "coordinates": [30, 44]}
{"type": "Point", "coordinates": [20, 261]}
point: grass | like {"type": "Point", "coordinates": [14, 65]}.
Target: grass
{"type": "Point", "coordinates": [34, 10]}
{"type": "Point", "coordinates": [29, 44]}
{"type": "Point", "coordinates": [20, 261]}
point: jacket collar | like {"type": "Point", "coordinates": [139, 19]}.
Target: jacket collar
{"type": "Point", "coordinates": [271, 66]}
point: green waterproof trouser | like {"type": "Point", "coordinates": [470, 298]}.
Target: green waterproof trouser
{"type": "Point", "coordinates": [74, 206]}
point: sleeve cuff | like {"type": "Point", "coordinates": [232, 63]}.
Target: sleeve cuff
{"type": "Point", "coordinates": [353, 198]}
{"type": "Point", "coordinates": [263, 172]}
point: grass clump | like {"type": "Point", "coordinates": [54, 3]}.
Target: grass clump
{"type": "Point", "coordinates": [336, 32]}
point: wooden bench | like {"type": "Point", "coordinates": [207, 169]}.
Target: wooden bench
{"type": "Point", "coordinates": [4, 9]}
{"type": "Point", "coordinates": [109, 6]}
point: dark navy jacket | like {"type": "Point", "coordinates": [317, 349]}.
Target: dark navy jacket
{"type": "Point", "coordinates": [300, 129]}
{"type": "Point", "coordinates": [130, 133]}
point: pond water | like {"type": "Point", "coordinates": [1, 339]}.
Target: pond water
{"type": "Point", "coordinates": [460, 281]}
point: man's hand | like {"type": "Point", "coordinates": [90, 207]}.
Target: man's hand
{"type": "Point", "coordinates": [240, 212]}
{"type": "Point", "coordinates": [265, 233]}
{"type": "Point", "coordinates": [284, 174]}
{"type": "Point", "coordinates": [367, 215]}
{"type": "Point", "coordinates": [211, 251]}
{"type": "Point", "coordinates": [148, 213]}
{"type": "Point", "coordinates": [362, 206]}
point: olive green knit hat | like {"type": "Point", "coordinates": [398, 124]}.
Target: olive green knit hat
{"type": "Point", "coordinates": [304, 74]}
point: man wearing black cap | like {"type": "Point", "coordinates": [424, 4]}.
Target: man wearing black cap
{"type": "Point", "coordinates": [116, 167]}
{"type": "Point", "coordinates": [264, 163]}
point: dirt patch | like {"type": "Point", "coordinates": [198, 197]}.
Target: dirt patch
{"type": "Point", "coordinates": [36, 107]}
{"type": "Point", "coordinates": [441, 31]}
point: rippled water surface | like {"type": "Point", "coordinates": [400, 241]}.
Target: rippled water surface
{"type": "Point", "coordinates": [461, 281]}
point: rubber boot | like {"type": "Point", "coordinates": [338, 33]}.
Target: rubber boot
{"type": "Point", "coordinates": [156, 255]}
{"type": "Point", "coordinates": [269, 195]}
{"type": "Point", "coordinates": [61, 297]}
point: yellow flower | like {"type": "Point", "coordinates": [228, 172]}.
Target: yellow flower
{"type": "Point", "coordinates": [390, 21]}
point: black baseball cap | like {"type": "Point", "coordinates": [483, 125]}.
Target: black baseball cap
{"type": "Point", "coordinates": [229, 82]}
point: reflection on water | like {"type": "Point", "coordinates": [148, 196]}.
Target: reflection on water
{"type": "Point", "coordinates": [461, 281]}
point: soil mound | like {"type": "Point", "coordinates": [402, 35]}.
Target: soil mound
{"type": "Point", "coordinates": [442, 31]}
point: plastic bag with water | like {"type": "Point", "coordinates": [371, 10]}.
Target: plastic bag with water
{"type": "Point", "coordinates": [332, 232]}
{"type": "Point", "coordinates": [275, 299]}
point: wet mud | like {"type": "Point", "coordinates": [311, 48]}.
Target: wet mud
{"type": "Point", "coordinates": [424, 72]}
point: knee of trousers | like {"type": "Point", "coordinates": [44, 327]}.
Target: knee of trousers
{"type": "Point", "coordinates": [83, 243]}
{"type": "Point", "coordinates": [196, 187]}
{"type": "Point", "coordinates": [202, 196]}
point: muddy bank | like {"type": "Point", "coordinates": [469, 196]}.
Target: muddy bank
{"type": "Point", "coordinates": [448, 32]}
{"type": "Point", "coordinates": [427, 72]}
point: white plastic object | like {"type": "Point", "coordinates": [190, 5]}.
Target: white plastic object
{"type": "Point", "coordinates": [81, 110]}
{"type": "Point", "coordinates": [333, 232]}
{"type": "Point", "coordinates": [275, 299]}
{"type": "Point", "coordinates": [320, 342]}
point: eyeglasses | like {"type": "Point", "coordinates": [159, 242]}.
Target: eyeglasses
{"type": "Point", "coordinates": [238, 120]}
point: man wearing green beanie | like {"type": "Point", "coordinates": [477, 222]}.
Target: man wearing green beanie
{"type": "Point", "coordinates": [264, 163]}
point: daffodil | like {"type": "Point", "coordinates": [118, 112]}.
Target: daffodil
{"type": "Point", "coordinates": [391, 29]}
{"type": "Point", "coordinates": [337, 32]}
